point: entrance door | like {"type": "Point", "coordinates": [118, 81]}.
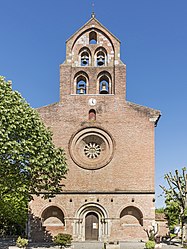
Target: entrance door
{"type": "Point", "coordinates": [91, 226]}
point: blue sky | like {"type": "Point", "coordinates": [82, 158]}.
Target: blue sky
{"type": "Point", "coordinates": [153, 35]}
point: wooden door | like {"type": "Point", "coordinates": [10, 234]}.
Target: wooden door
{"type": "Point", "coordinates": [91, 226]}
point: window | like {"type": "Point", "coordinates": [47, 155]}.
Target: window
{"type": "Point", "coordinates": [92, 114]}
{"type": "Point", "coordinates": [92, 37]}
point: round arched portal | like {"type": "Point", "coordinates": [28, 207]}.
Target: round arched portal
{"type": "Point", "coordinates": [92, 223]}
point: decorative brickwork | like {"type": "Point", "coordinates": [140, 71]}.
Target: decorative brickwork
{"type": "Point", "coordinates": [109, 143]}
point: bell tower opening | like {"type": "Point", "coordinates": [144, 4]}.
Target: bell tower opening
{"type": "Point", "coordinates": [81, 85]}
{"type": "Point", "coordinates": [104, 85]}
{"type": "Point", "coordinates": [92, 37]}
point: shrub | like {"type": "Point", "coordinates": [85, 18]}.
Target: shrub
{"type": "Point", "coordinates": [21, 242]}
{"type": "Point", "coordinates": [62, 239]}
{"type": "Point", "coordinates": [150, 244]}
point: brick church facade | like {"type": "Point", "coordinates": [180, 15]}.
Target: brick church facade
{"type": "Point", "coordinates": [109, 143]}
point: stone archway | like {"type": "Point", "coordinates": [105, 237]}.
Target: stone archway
{"type": "Point", "coordinates": [91, 223]}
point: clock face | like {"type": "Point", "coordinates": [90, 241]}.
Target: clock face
{"type": "Point", "coordinates": [92, 101]}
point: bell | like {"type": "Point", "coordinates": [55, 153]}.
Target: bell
{"type": "Point", "coordinates": [85, 60]}
{"type": "Point", "coordinates": [100, 60]}
{"type": "Point", "coordinates": [81, 90]}
{"type": "Point", "coordinates": [104, 89]}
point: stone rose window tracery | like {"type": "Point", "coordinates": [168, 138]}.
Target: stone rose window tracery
{"type": "Point", "coordinates": [92, 150]}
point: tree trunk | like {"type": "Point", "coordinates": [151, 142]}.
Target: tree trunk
{"type": "Point", "coordinates": [183, 232]}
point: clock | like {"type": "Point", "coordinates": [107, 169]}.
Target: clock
{"type": "Point", "coordinates": [92, 101]}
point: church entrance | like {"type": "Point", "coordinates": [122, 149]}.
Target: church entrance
{"type": "Point", "coordinates": [91, 226]}
{"type": "Point", "coordinates": [91, 223]}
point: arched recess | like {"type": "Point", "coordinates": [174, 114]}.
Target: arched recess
{"type": "Point", "coordinates": [104, 83]}
{"type": "Point", "coordinates": [100, 57]}
{"type": "Point", "coordinates": [52, 216]}
{"type": "Point", "coordinates": [131, 216]}
{"type": "Point", "coordinates": [81, 81]}
{"type": "Point", "coordinates": [85, 57]}
{"type": "Point", "coordinates": [91, 222]}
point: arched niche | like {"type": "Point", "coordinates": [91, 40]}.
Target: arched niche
{"type": "Point", "coordinates": [53, 216]}
{"type": "Point", "coordinates": [92, 115]}
{"type": "Point", "coordinates": [131, 215]}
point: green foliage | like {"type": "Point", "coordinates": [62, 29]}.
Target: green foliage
{"type": "Point", "coordinates": [152, 236]}
{"type": "Point", "coordinates": [150, 244]}
{"type": "Point", "coordinates": [172, 212]}
{"type": "Point", "coordinates": [29, 161]}
{"type": "Point", "coordinates": [159, 210]}
{"type": "Point", "coordinates": [175, 199]}
{"type": "Point", "coordinates": [62, 239]}
{"type": "Point", "coordinates": [21, 242]}
{"type": "Point", "coordinates": [13, 214]}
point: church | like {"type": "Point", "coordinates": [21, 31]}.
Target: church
{"type": "Point", "coordinates": [109, 192]}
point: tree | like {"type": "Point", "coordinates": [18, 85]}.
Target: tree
{"type": "Point", "coordinates": [13, 214]}
{"type": "Point", "coordinates": [175, 199]}
{"type": "Point", "coordinates": [29, 162]}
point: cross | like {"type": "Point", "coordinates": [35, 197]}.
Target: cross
{"type": "Point", "coordinates": [93, 13]}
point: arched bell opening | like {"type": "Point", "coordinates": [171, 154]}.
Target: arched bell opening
{"type": "Point", "coordinates": [101, 57]}
{"type": "Point", "coordinates": [81, 81]}
{"type": "Point", "coordinates": [92, 37]}
{"type": "Point", "coordinates": [85, 57]}
{"type": "Point", "coordinates": [81, 85]}
{"type": "Point", "coordinates": [104, 84]}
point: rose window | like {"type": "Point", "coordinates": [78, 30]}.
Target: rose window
{"type": "Point", "coordinates": [92, 150]}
